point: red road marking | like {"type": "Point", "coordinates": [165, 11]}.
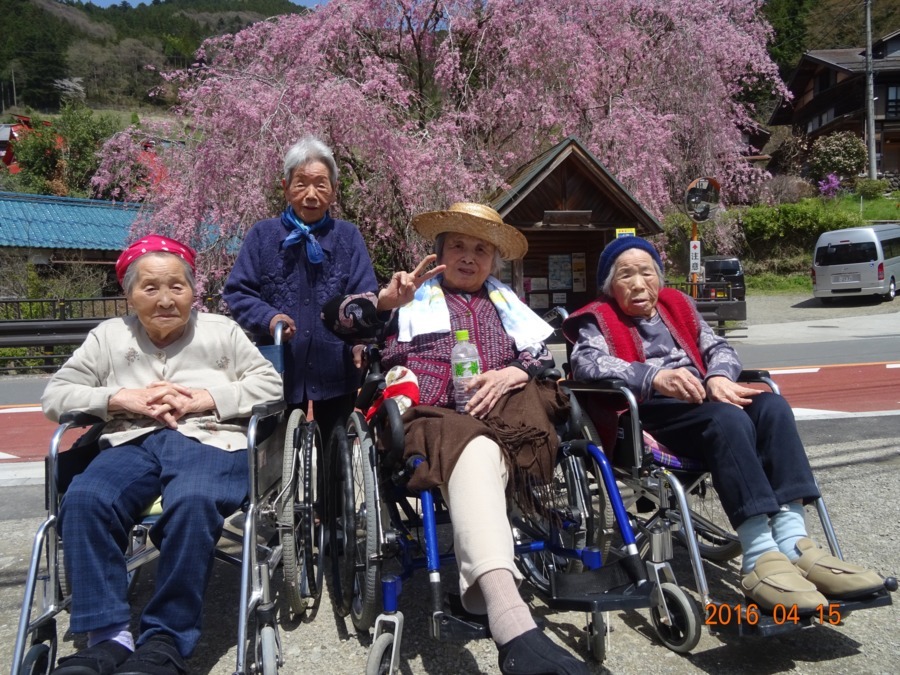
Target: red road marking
{"type": "Point", "coordinates": [868, 387]}
{"type": "Point", "coordinates": [26, 435]}
{"type": "Point", "coordinates": [847, 388]}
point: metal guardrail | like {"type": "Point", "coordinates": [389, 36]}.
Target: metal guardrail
{"type": "Point", "coordinates": [40, 334]}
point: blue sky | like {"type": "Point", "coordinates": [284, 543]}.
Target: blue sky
{"type": "Point", "coordinates": [135, 3]}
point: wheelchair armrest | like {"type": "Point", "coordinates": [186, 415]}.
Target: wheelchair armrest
{"type": "Point", "coordinates": [759, 376]}
{"type": "Point", "coordinates": [75, 418]}
{"type": "Point", "coordinates": [269, 408]}
{"type": "Point", "coordinates": [389, 417]}
{"type": "Point", "coordinates": [550, 374]}
{"type": "Point", "coordinates": [612, 385]}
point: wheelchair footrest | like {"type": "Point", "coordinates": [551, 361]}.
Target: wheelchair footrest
{"type": "Point", "coordinates": [451, 628]}
{"type": "Point", "coordinates": [600, 590]}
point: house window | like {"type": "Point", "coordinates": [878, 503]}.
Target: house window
{"type": "Point", "coordinates": [824, 80]}
{"type": "Point", "coordinates": [820, 120]}
{"type": "Point", "coordinates": [893, 102]}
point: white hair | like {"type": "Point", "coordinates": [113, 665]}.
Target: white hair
{"type": "Point", "coordinates": [310, 149]}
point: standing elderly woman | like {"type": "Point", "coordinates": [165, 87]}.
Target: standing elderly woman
{"type": "Point", "coordinates": [509, 425]}
{"type": "Point", "coordinates": [174, 387]}
{"type": "Point", "coordinates": [289, 267]}
{"type": "Point", "coordinates": [684, 377]}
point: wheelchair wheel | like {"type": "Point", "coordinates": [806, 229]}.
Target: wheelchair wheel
{"type": "Point", "coordinates": [560, 514]}
{"type": "Point", "coordinates": [301, 539]}
{"type": "Point", "coordinates": [596, 635]}
{"type": "Point", "coordinates": [380, 654]}
{"type": "Point", "coordinates": [683, 634]}
{"type": "Point", "coordinates": [268, 651]}
{"type": "Point", "coordinates": [716, 539]}
{"type": "Point", "coordinates": [360, 576]}
{"type": "Point", "coordinates": [37, 660]}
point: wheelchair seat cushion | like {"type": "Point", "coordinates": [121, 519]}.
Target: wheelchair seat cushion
{"type": "Point", "coordinates": [664, 457]}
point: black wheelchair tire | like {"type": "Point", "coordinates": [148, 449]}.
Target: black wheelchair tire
{"type": "Point", "coordinates": [596, 635]}
{"type": "Point", "coordinates": [360, 568]}
{"type": "Point", "coordinates": [291, 515]}
{"type": "Point", "coordinates": [684, 633]}
{"type": "Point", "coordinates": [36, 660]}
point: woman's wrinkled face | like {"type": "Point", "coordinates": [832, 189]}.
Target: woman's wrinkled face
{"type": "Point", "coordinates": [161, 297]}
{"type": "Point", "coordinates": [468, 260]}
{"type": "Point", "coordinates": [310, 191]}
{"type": "Point", "coordinates": [635, 283]}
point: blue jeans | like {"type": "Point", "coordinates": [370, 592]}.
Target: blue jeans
{"type": "Point", "coordinates": [200, 485]}
{"type": "Point", "coordinates": [754, 454]}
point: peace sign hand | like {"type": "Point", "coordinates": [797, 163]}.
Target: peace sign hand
{"type": "Point", "coordinates": [403, 285]}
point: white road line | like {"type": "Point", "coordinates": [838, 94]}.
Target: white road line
{"type": "Point", "coordinates": [892, 365]}
{"type": "Point", "coordinates": [814, 414]}
{"type": "Point", "coordinates": [794, 371]}
{"type": "Point", "coordinates": [21, 409]}
{"type": "Point", "coordinates": [4, 455]}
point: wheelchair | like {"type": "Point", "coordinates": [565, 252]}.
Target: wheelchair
{"type": "Point", "coordinates": [562, 540]}
{"type": "Point", "coordinates": [672, 498]}
{"type": "Point", "coordinates": [275, 527]}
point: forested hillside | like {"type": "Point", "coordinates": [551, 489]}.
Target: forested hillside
{"type": "Point", "coordinates": [102, 55]}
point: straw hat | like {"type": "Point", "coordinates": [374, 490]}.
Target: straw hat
{"type": "Point", "coordinates": [475, 220]}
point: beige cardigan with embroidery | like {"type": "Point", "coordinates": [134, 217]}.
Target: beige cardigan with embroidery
{"type": "Point", "coordinates": [213, 354]}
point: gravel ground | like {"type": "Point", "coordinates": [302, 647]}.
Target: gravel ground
{"type": "Point", "coordinates": [785, 307]}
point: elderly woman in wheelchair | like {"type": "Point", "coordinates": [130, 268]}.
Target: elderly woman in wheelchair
{"type": "Point", "coordinates": [684, 378]}
{"type": "Point", "coordinates": [172, 385]}
{"type": "Point", "coordinates": [507, 429]}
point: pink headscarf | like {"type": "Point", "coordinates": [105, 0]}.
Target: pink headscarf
{"type": "Point", "coordinates": [149, 244]}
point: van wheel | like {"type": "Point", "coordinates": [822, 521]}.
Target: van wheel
{"type": "Point", "coordinates": [892, 291]}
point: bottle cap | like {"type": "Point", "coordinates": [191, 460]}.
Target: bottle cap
{"type": "Point", "coordinates": [462, 335]}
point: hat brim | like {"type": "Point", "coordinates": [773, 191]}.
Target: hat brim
{"type": "Point", "coordinates": [511, 243]}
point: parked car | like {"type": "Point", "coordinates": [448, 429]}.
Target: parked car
{"type": "Point", "coordinates": [857, 261]}
{"type": "Point", "coordinates": [720, 270]}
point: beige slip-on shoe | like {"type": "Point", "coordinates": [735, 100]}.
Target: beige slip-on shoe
{"type": "Point", "coordinates": [775, 581]}
{"type": "Point", "coordinates": [834, 577]}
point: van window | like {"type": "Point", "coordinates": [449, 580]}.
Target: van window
{"type": "Point", "coordinates": [725, 267]}
{"type": "Point", "coordinates": [891, 248]}
{"type": "Point", "coordinates": [846, 254]}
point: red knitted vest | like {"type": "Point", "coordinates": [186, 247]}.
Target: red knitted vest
{"type": "Point", "coordinates": [676, 311]}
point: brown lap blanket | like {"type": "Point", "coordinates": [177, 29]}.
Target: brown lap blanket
{"type": "Point", "coordinates": [522, 423]}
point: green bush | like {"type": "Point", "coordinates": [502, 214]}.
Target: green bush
{"type": "Point", "coordinates": [843, 153]}
{"type": "Point", "coordinates": [871, 189]}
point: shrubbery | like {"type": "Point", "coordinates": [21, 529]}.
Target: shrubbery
{"type": "Point", "coordinates": [871, 189]}
{"type": "Point", "coordinates": [843, 153]}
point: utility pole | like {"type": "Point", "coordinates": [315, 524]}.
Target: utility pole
{"type": "Point", "coordinates": [870, 95]}
{"type": "Point", "coordinates": [12, 72]}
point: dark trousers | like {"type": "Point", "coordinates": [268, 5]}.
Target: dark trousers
{"type": "Point", "coordinates": [330, 413]}
{"type": "Point", "coordinates": [754, 454]}
{"type": "Point", "coordinates": [200, 486]}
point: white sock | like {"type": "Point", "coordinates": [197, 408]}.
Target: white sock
{"type": "Point", "coordinates": [756, 539]}
{"type": "Point", "coordinates": [788, 527]}
{"type": "Point", "coordinates": [117, 633]}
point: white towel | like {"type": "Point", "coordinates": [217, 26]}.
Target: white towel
{"type": "Point", "coordinates": [427, 312]}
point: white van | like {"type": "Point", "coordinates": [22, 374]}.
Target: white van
{"type": "Point", "coordinates": [857, 261]}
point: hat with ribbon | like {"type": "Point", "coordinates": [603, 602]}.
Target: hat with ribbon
{"type": "Point", "coordinates": [474, 220]}
{"type": "Point", "coordinates": [150, 244]}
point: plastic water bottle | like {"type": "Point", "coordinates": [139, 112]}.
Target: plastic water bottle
{"type": "Point", "coordinates": [464, 365]}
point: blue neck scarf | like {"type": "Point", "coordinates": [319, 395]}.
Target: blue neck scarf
{"type": "Point", "coordinates": [300, 231]}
